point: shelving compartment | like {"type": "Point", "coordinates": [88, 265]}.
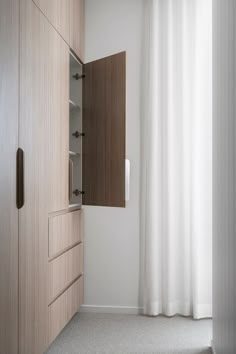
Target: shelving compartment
{"type": "Point", "coordinates": [76, 73]}
{"type": "Point", "coordinates": [75, 174]}
{"type": "Point", "coordinates": [75, 131]}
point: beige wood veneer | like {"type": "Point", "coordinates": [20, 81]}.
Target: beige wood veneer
{"type": "Point", "coordinates": [58, 89]}
{"type": "Point", "coordinates": [43, 59]}
{"type": "Point", "coordinates": [65, 231]}
{"type": "Point", "coordinates": [64, 270]}
{"type": "Point", "coordinates": [58, 14]}
{"type": "Point", "coordinates": [77, 27]}
{"type": "Point", "coordinates": [67, 16]}
{"type": "Point", "coordinates": [64, 308]}
{"type": "Point", "coordinates": [9, 62]}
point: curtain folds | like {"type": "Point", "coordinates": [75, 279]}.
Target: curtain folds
{"type": "Point", "coordinates": [176, 215]}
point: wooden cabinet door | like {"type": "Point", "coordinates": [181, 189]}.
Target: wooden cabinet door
{"type": "Point", "coordinates": [58, 14]}
{"type": "Point", "coordinates": [77, 27]}
{"type": "Point", "coordinates": [9, 62]}
{"type": "Point", "coordinates": [44, 65]}
{"type": "Point", "coordinates": [104, 97]}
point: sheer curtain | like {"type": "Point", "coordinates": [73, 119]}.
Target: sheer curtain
{"type": "Point", "coordinates": [176, 216]}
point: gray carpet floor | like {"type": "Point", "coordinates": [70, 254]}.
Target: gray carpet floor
{"type": "Point", "coordinates": [127, 334]}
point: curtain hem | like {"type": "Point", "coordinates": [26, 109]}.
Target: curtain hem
{"type": "Point", "coordinates": [199, 312]}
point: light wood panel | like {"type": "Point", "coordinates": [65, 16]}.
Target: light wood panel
{"type": "Point", "coordinates": [58, 88]}
{"type": "Point", "coordinates": [104, 96]}
{"type": "Point", "coordinates": [9, 62]}
{"type": "Point", "coordinates": [42, 59]}
{"type": "Point", "coordinates": [64, 308]}
{"type": "Point", "coordinates": [77, 27]}
{"type": "Point", "coordinates": [64, 270]}
{"type": "Point", "coordinates": [58, 14]}
{"type": "Point", "coordinates": [65, 231]}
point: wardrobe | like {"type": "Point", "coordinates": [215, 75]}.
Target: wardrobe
{"type": "Point", "coordinates": [62, 146]}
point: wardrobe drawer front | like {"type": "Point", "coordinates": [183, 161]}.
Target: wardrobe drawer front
{"type": "Point", "coordinates": [65, 231]}
{"type": "Point", "coordinates": [64, 308]}
{"type": "Point", "coordinates": [64, 270]}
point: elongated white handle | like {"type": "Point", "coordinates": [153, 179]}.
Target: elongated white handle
{"type": "Point", "coordinates": [127, 180]}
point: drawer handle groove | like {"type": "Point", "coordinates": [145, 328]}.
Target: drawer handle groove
{"type": "Point", "coordinates": [20, 197]}
{"type": "Point", "coordinates": [66, 288]}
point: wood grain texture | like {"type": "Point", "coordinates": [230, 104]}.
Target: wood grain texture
{"type": "Point", "coordinates": [64, 231]}
{"type": "Point", "coordinates": [58, 89]}
{"type": "Point", "coordinates": [224, 177]}
{"type": "Point", "coordinates": [58, 14]}
{"type": "Point", "coordinates": [64, 308]}
{"type": "Point", "coordinates": [77, 27]}
{"type": "Point", "coordinates": [9, 63]}
{"type": "Point", "coordinates": [104, 97]}
{"type": "Point", "coordinates": [42, 64]}
{"type": "Point", "coordinates": [64, 270]}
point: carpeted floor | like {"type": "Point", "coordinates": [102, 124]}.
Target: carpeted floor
{"type": "Point", "coordinates": [128, 334]}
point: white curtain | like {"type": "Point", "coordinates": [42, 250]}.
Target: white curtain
{"type": "Point", "coordinates": [177, 158]}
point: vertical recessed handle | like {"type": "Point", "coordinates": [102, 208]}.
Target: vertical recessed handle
{"type": "Point", "coordinates": [20, 179]}
{"type": "Point", "coordinates": [71, 166]}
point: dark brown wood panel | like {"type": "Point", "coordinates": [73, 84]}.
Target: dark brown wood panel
{"type": "Point", "coordinates": [104, 108]}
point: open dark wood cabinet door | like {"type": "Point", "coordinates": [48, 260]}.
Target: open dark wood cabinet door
{"type": "Point", "coordinates": [104, 107]}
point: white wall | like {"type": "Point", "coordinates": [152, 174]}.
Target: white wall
{"type": "Point", "coordinates": [112, 234]}
{"type": "Point", "coordinates": [224, 177]}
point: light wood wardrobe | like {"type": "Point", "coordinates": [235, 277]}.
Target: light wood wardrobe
{"type": "Point", "coordinates": [62, 145]}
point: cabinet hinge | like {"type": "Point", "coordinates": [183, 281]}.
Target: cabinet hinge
{"type": "Point", "coordinates": [78, 134]}
{"type": "Point", "coordinates": [78, 76]}
{"type": "Point", "coordinates": [77, 192]}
